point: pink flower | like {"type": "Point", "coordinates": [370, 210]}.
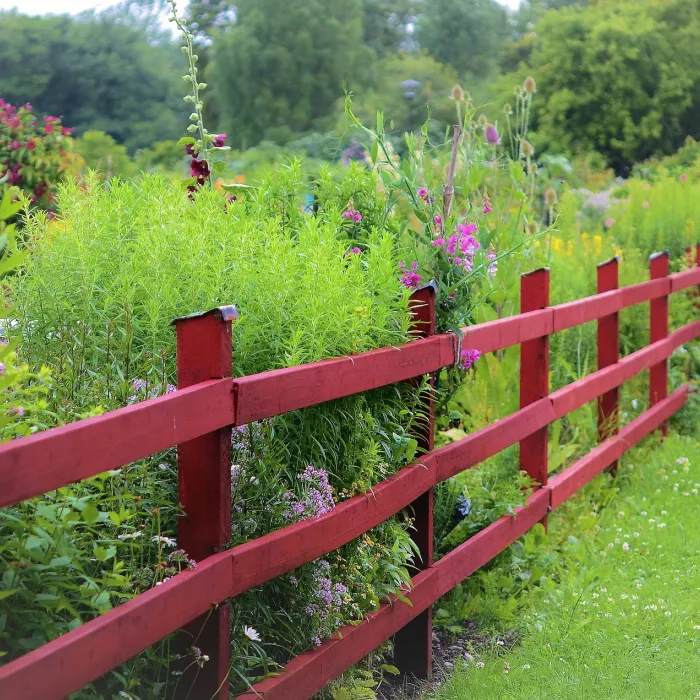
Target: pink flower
{"type": "Point", "coordinates": [609, 223]}
{"type": "Point", "coordinates": [219, 140]}
{"type": "Point", "coordinates": [438, 220]}
{"type": "Point", "coordinates": [66, 131]}
{"type": "Point", "coordinates": [356, 251]}
{"type": "Point", "coordinates": [18, 411]}
{"type": "Point", "coordinates": [493, 267]}
{"type": "Point", "coordinates": [48, 129]}
{"type": "Point", "coordinates": [492, 136]}
{"type": "Point", "coordinates": [31, 145]}
{"type": "Point", "coordinates": [438, 242]}
{"type": "Point", "coordinates": [357, 217]}
{"type": "Point", "coordinates": [645, 204]}
{"type": "Point", "coordinates": [422, 192]}
{"type": "Point", "coordinates": [469, 357]}
{"type": "Point", "coordinates": [2, 368]}
{"type": "Point", "coordinates": [410, 278]}
{"type": "Point", "coordinates": [487, 207]}
{"type": "Point", "coordinates": [15, 145]}
{"type": "Point", "coordinates": [684, 177]}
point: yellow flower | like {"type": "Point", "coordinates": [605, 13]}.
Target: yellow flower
{"type": "Point", "coordinates": [597, 244]}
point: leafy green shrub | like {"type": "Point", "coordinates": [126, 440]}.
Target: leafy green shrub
{"type": "Point", "coordinates": [32, 156]}
{"type": "Point", "coordinates": [101, 285]}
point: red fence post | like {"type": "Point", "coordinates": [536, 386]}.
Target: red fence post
{"type": "Point", "coordinates": [534, 375]}
{"type": "Point", "coordinates": [658, 330]}
{"type": "Point", "coordinates": [204, 351]}
{"type": "Point", "coordinates": [608, 353]}
{"type": "Point", "coordinates": [413, 644]}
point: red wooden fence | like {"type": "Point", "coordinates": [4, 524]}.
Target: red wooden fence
{"type": "Point", "coordinates": [198, 418]}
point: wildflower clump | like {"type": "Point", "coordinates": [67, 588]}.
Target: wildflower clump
{"type": "Point", "coordinates": [33, 152]}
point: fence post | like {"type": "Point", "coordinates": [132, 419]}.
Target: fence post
{"type": "Point", "coordinates": [413, 644]}
{"type": "Point", "coordinates": [609, 353]}
{"type": "Point", "coordinates": [534, 375]}
{"type": "Point", "coordinates": [658, 330]}
{"type": "Point", "coordinates": [204, 351]}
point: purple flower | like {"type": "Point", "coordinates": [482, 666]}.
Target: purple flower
{"type": "Point", "coordinates": [356, 251]}
{"type": "Point", "coordinates": [17, 411]}
{"type": "Point", "coordinates": [493, 267]}
{"type": "Point", "coordinates": [469, 357]}
{"type": "Point", "coordinates": [316, 641]}
{"type": "Point", "coordinates": [219, 140]}
{"type": "Point", "coordinates": [199, 169]}
{"type": "Point", "coordinates": [609, 223]}
{"type": "Point", "coordinates": [492, 136]}
{"type": "Point", "coordinates": [2, 368]}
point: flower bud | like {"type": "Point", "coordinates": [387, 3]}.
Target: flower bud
{"type": "Point", "coordinates": [457, 93]}
{"type": "Point", "coordinates": [530, 85]}
{"type": "Point", "coordinates": [550, 197]}
{"type": "Point", "coordinates": [507, 109]}
{"type": "Point", "coordinates": [482, 120]}
{"type": "Point", "coordinates": [526, 149]}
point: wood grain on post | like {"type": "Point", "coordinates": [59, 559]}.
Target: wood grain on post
{"type": "Point", "coordinates": [534, 376]}
{"type": "Point", "coordinates": [658, 330]}
{"type": "Point", "coordinates": [608, 353]}
{"type": "Point", "coordinates": [413, 644]}
{"type": "Point", "coordinates": [204, 351]}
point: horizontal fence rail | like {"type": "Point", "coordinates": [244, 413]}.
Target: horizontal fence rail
{"type": "Point", "coordinates": [43, 462]}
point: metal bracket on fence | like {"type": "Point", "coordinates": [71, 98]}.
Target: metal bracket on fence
{"type": "Point", "coordinates": [457, 344]}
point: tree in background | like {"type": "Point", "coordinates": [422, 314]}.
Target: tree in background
{"type": "Point", "coordinates": [620, 78]}
{"type": "Point", "coordinates": [281, 67]}
{"type": "Point", "coordinates": [465, 34]}
{"type": "Point", "coordinates": [95, 73]}
{"type": "Point", "coordinates": [386, 24]}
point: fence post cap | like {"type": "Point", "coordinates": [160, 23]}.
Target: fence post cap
{"type": "Point", "coordinates": [660, 254]}
{"type": "Point", "coordinates": [226, 313]}
{"type": "Point", "coordinates": [614, 259]}
{"type": "Point", "coordinates": [430, 285]}
{"type": "Point", "coordinates": [534, 272]}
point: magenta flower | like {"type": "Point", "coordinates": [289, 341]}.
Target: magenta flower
{"type": "Point", "coordinates": [15, 145]}
{"type": "Point", "coordinates": [469, 357]}
{"type": "Point", "coordinates": [684, 177]}
{"type": "Point", "coordinates": [492, 136]}
{"type": "Point", "coordinates": [199, 169]}
{"type": "Point", "coordinates": [410, 278]}
{"type": "Point", "coordinates": [438, 242]}
{"type": "Point", "coordinates": [487, 207]}
{"type": "Point", "coordinates": [219, 140]}
{"type": "Point", "coordinates": [66, 131]}
{"type": "Point", "coordinates": [422, 193]}
{"type": "Point", "coordinates": [356, 251]}
{"type": "Point", "coordinates": [2, 368]}
{"type": "Point", "coordinates": [609, 223]}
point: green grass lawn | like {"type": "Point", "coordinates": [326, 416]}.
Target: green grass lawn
{"type": "Point", "coordinates": [625, 620]}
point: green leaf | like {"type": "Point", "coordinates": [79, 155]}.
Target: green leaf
{"type": "Point", "coordinates": [7, 594]}
{"type": "Point", "coordinates": [186, 141]}
{"type": "Point", "coordinates": [90, 513]}
{"type": "Point", "coordinates": [218, 167]}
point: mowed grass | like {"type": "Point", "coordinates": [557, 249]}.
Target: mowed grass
{"type": "Point", "coordinates": [625, 620]}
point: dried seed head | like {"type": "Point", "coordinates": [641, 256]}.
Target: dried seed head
{"type": "Point", "coordinates": [533, 227]}
{"type": "Point", "coordinates": [482, 120]}
{"type": "Point", "coordinates": [530, 85]}
{"type": "Point", "coordinates": [527, 149]}
{"type": "Point", "coordinates": [457, 93]}
{"type": "Point", "coordinates": [550, 197]}
{"type": "Point", "coordinates": [507, 109]}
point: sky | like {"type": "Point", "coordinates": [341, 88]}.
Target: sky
{"type": "Point", "coordinates": [41, 7]}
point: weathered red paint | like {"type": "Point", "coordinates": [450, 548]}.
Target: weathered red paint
{"type": "Point", "coordinates": [204, 352]}
{"type": "Point", "coordinates": [80, 656]}
{"type": "Point", "coordinates": [53, 458]}
{"type": "Point", "coordinates": [658, 329]}
{"type": "Point", "coordinates": [534, 376]}
{"type": "Point", "coordinates": [608, 353]}
{"type": "Point", "coordinates": [413, 644]}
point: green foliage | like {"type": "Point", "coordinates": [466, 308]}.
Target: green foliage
{"type": "Point", "coordinates": [280, 69]}
{"type": "Point", "coordinates": [164, 156]}
{"type": "Point", "coordinates": [465, 34]}
{"type": "Point", "coordinates": [623, 589]}
{"type": "Point", "coordinates": [32, 156]}
{"type": "Point", "coordinates": [102, 153]}
{"type": "Point", "coordinates": [621, 78]}
{"type": "Point", "coordinates": [98, 74]}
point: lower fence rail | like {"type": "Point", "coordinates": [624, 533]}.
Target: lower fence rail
{"type": "Point", "coordinates": [312, 671]}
